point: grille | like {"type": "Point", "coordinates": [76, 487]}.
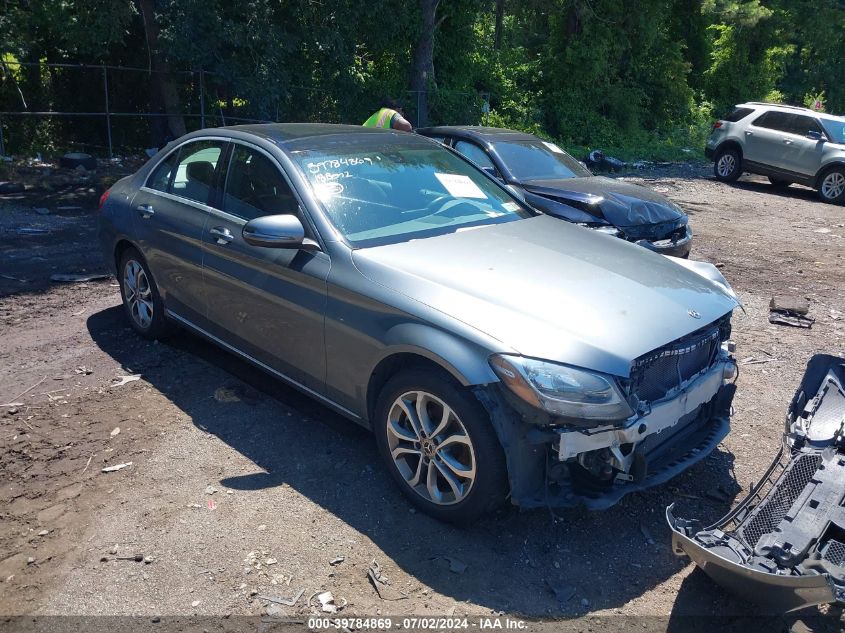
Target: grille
{"type": "Point", "coordinates": [773, 509]}
{"type": "Point", "coordinates": [667, 368]}
{"type": "Point", "coordinates": [834, 552]}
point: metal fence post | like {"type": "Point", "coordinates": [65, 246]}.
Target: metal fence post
{"type": "Point", "coordinates": [108, 114]}
{"type": "Point", "coordinates": [2, 143]}
{"type": "Point", "coordinates": [202, 98]}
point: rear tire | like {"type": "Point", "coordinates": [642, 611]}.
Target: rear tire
{"type": "Point", "coordinates": [832, 185]}
{"type": "Point", "coordinates": [141, 299]}
{"type": "Point", "coordinates": [448, 462]}
{"type": "Point", "coordinates": [780, 183]}
{"type": "Point", "coordinates": [728, 165]}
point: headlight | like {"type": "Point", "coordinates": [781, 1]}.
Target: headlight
{"type": "Point", "coordinates": [562, 390]}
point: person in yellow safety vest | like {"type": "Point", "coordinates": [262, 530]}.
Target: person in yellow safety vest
{"type": "Point", "coordinates": [389, 116]}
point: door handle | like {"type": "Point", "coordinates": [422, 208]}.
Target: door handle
{"type": "Point", "coordinates": [146, 210]}
{"type": "Point", "coordinates": [222, 235]}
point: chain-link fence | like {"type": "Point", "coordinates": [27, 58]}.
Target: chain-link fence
{"type": "Point", "coordinates": [105, 110]}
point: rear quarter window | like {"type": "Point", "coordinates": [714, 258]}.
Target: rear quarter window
{"type": "Point", "coordinates": [738, 115]}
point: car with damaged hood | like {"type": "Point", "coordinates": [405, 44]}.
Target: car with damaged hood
{"type": "Point", "coordinates": [551, 180]}
{"type": "Point", "coordinates": [495, 352]}
{"type": "Point", "coordinates": [783, 546]}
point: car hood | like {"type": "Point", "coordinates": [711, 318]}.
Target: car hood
{"type": "Point", "coordinates": [622, 204]}
{"type": "Point", "coordinates": [553, 290]}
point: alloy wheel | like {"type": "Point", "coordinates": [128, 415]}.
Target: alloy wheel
{"type": "Point", "coordinates": [138, 294]}
{"type": "Point", "coordinates": [431, 448]}
{"type": "Point", "coordinates": [833, 185]}
{"type": "Point", "coordinates": [726, 165]}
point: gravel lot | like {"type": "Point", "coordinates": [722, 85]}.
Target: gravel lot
{"type": "Point", "coordinates": [240, 487]}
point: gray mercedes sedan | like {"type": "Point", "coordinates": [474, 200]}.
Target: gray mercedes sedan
{"type": "Point", "coordinates": [495, 352]}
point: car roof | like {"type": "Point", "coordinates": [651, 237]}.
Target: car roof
{"type": "Point", "coordinates": [281, 133]}
{"type": "Point", "coordinates": [788, 108]}
{"type": "Point", "coordinates": [477, 132]}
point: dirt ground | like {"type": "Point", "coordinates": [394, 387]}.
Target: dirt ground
{"type": "Point", "coordinates": [240, 487]}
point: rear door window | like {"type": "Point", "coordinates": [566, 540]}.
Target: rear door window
{"type": "Point", "coordinates": [160, 178]}
{"type": "Point", "coordinates": [195, 171]}
{"type": "Point", "coordinates": [774, 120]}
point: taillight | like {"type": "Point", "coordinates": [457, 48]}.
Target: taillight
{"type": "Point", "coordinates": [103, 198]}
{"type": "Point", "coordinates": [717, 125]}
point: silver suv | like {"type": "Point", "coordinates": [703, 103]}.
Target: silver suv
{"type": "Point", "coordinates": [785, 143]}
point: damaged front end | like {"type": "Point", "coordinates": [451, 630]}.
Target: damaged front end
{"type": "Point", "coordinates": [784, 544]}
{"type": "Point", "coordinates": [678, 401]}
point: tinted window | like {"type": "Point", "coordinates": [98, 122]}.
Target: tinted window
{"type": "Point", "coordinates": [802, 124]}
{"type": "Point", "coordinates": [160, 178]}
{"type": "Point", "coordinates": [781, 121]}
{"type": "Point", "coordinates": [195, 171]}
{"type": "Point", "coordinates": [539, 160]}
{"type": "Point", "coordinates": [738, 115]}
{"type": "Point", "coordinates": [256, 187]}
{"type": "Point", "coordinates": [475, 154]}
{"type": "Point", "coordinates": [376, 192]}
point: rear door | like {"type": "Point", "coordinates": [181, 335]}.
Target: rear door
{"type": "Point", "coordinates": [767, 139]}
{"type": "Point", "coordinates": [170, 212]}
{"type": "Point", "coordinates": [268, 303]}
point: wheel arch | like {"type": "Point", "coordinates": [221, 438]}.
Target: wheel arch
{"type": "Point", "coordinates": [121, 246]}
{"type": "Point", "coordinates": [463, 362]}
{"type": "Point", "coordinates": [825, 169]}
{"type": "Point", "coordinates": [728, 144]}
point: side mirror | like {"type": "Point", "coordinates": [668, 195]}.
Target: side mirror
{"type": "Point", "coordinates": [490, 171]}
{"type": "Point", "coordinates": [276, 231]}
{"type": "Point", "coordinates": [815, 135]}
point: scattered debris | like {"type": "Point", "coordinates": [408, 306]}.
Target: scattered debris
{"type": "Point", "coordinates": [82, 369]}
{"type": "Point", "coordinates": [137, 558]}
{"type": "Point", "coordinates": [382, 585]}
{"type": "Point", "coordinates": [122, 380]}
{"type": "Point", "coordinates": [337, 561]}
{"type": "Point", "coordinates": [78, 277]}
{"type": "Point", "coordinates": [212, 504]}
{"type": "Point", "coordinates": [822, 230]}
{"type": "Point", "coordinates": [270, 561]}
{"type": "Point", "coordinates": [757, 361]}
{"type": "Point", "coordinates": [327, 602]}
{"type": "Point", "coordinates": [210, 490]}
{"type": "Point", "coordinates": [563, 593]}
{"type": "Point", "coordinates": [14, 402]}
{"type": "Point", "coordinates": [288, 602]}
{"type": "Point", "coordinates": [790, 311]}
{"type": "Point", "coordinates": [115, 432]}
{"type": "Point", "coordinates": [43, 532]}
{"type": "Point", "coordinates": [835, 314]}
{"type": "Point", "coordinates": [30, 560]}
{"type": "Point", "coordinates": [597, 160]}
{"type": "Point", "coordinates": [111, 469]}
{"type": "Point", "coordinates": [719, 264]}
{"type": "Point", "coordinates": [262, 527]}
{"type": "Point", "coordinates": [87, 464]}
{"type": "Point", "coordinates": [75, 160]}
{"type": "Point", "coordinates": [195, 603]}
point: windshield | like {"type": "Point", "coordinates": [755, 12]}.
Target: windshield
{"type": "Point", "coordinates": [539, 160]}
{"type": "Point", "coordinates": [835, 130]}
{"type": "Point", "coordinates": [394, 194]}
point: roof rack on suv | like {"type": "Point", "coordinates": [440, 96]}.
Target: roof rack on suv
{"type": "Point", "coordinates": [780, 105]}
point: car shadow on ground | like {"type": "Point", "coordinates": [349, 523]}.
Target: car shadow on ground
{"type": "Point", "coordinates": [797, 192]}
{"type": "Point", "coordinates": [536, 563]}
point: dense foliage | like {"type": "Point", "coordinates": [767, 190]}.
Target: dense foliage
{"type": "Point", "coordinates": [622, 74]}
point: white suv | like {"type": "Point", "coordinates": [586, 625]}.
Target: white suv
{"type": "Point", "coordinates": [785, 143]}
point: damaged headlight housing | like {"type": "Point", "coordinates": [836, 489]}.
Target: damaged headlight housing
{"type": "Point", "coordinates": [562, 390]}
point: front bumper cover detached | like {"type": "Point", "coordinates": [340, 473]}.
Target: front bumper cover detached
{"type": "Point", "coordinates": [783, 546]}
{"type": "Point", "coordinates": [542, 460]}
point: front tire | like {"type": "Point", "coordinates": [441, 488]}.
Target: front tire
{"type": "Point", "coordinates": [832, 186]}
{"type": "Point", "coordinates": [440, 447]}
{"type": "Point", "coordinates": [141, 299]}
{"type": "Point", "coordinates": [728, 165]}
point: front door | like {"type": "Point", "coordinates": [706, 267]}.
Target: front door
{"type": "Point", "coordinates": [267, 302]}
{"type": "Point", "coordinates": [170, 212]}
{"type": "Point", "coordinates": [804, 154]}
